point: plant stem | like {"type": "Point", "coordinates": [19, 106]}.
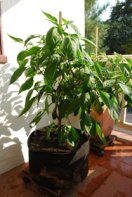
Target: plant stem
{"type": "Point", "coordinates": [59, 124]}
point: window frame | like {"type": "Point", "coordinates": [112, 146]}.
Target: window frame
{"type": "Point", "coordinates": [3, 58]}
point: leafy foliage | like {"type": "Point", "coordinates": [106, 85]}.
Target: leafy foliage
{"type": "Point", "coordinates": [119, 37]}
{"type": "Point", "coordinates": [92, 20]}
{"type": "Point", "coordinates": [69, 80]}
{"type": "Point", "coordinates": [114, 74]}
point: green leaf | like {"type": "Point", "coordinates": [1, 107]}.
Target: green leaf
{"type": "Point", "coordinates": [23, 54]}
{"type": "Point", "coordinates": [129, 101]}
{"type": "Point", "coordinates": [17, 74]}
{"type": "Point", "coordinates": [37, 85]}
{"type": "Point", "coordinates": [98, 71]}
{"type": "Point", "coordinates": [31, 37]}
{"type": "Point", "coordinates": [37, 118]}
{"type": "Point", "coordinates": [70, 47]}
{"type": "Point", "coordinates": [48, 131]}
{"type": "Point", "coordinates": [51, 18]}
{"type": "Point", "coordinates": [105, 98]}
{"type": "Point", "coordinates": [114, 114]}
{"type": "Point", "coordinates": [82, 119]}
{"type": "Point", "coordinates": [29, 94]}
{"type": "Point", "coordinates": [74, 27]}
{"type": "Point", "coordinates": [115, 107]}
{"type": "Point", "coordinates": [88, 42]}
{"type": "Point", "coordinates": [66, 22]}
{"type": "Point", "coordinates": [49, 74]}
{"type": "Point", "coordinates": [23, 63]}
{"type": "Point", "coordinates": [16, 39]}
{"type": "Point", "coordinates": [109, 83]}
{"type": "Point", "coordinates": [115, 102]}
{"type": "Point", "coordinates": [87, 120]}
{"type": "Point", "coordinates": [116, 75]}
{"type": "Point", "coordinates": [40, 93]}
{"type": "Point", "coordinates": [125, 69]}
{"type": "Point", "coordinates": [28, 105]}
{"type": "Point", "coordinates": [97, 106]}
{"type": "Point", "coordinates": [26, 85]}
{"type": "Point", "coordinates": [93, 128]}
{"type": "Point", "coordinates": [73, 105]}
{"type": "Point", "coordinates": [73, 135]}
{"type": "Point", "coordinates": [128, 65]}
{"type": "Point", "coordinates": [100, 133]}
{"type": "Point", "coordinates": [46, 105]}
{"type": "Point", "coordinates": [126, 90]}
{"type": "Point", "coordinates": [52, 37]}
{"type": "Point", "coordinates": [87, 129]}
{"type": "Point", "coordinates": [30, 72]}
{"type": "Point", "coordinates": [63, 108]}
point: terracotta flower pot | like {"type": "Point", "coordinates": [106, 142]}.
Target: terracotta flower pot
{"type": "Point", "coordinates": [105, 120]}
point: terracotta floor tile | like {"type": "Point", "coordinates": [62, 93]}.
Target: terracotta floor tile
{"type": "Point", "coordinates": [96, 176]}
{"type": "Point", "coordinates": [96, 179]}
{"type": "Point", "coordinates": [93, 158]}
{"type": "Point", "coordinates": [120, 152]}
{"type": "Point", "coordinates": [115, 164]}
{"type": "Point", "coordinates": [116, 185]}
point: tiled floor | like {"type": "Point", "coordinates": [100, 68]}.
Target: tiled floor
{"type": "Point", "coordinates": [109, 176]}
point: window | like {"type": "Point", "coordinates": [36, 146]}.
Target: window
{"type": "Point", "coordinates": [3, 58]}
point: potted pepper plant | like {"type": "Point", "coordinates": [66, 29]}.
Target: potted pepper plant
{"type": "Point", "coordinates": [60, 74]}
{"type": "Point", "coordinates": [114, 82]}
{"type": "Point", "coordinates": [111, 80]}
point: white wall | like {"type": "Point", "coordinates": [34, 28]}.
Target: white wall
{"type": "Point", "coordinates": [21, 18]}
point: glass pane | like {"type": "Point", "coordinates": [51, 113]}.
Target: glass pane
{"type": "Point", "coordinates": [128, 117]}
